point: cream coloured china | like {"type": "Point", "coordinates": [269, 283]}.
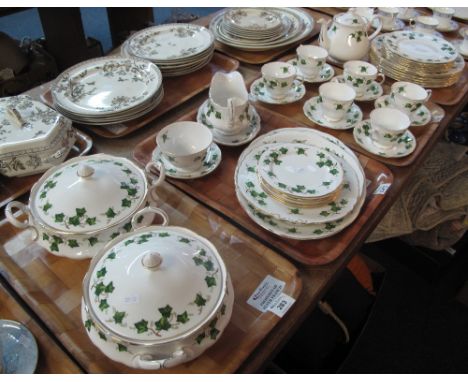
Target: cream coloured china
{"type": "Point", "coordinates": [242, 137]}
{"type": "Point", "coordinates": [388, 125]}
{"type": "Point", "coordinates": [404, 146]}
{"type": "Point", "coordinates": [326, 72]}
{"type": "Point", "coordinates": [313, 109]}
{"type": "Point", "coordinates": [311, 59]}
{"type": "Point", "coordinates": [211, 162]}
{"type": "Point", "coordinates": [366, 12]}
{"type": "Point", "coordinates": [33, 137]}
{"type": "Point", "coordinates": [345, 37]}
{"type": "Point", "coordinates": [407, 14]}
{"type": "Point", "coordinates": [279, 78]}
{"type": "Point", "coordinates": [444, 17]}
{"type": "Point", "coordinates": [185, 144]}
{"type": "Point", "coordinates": [360, 74]}
{"type": "Point", "coordinates": [389, 18]}
{"type": "Point", "coordinates": [419, 117]}
{"type": "Point", "coordinates": [77, 207]}
{"type": "Point", "coordinates": [336, 99]}
{"type": "Point", "coordinates": [424, 24]}
{"type": "Point", "coordinates": [409, 97]}
{"type": "Point", "coordinates": [156, 297]}
{"type": "Point", "coordinates": [461, 13]}
{"type": "Point", "coordinates": [228, 105]}
{"type": "Point", "coordinates": [462, 45]}
{"type": "Point", "coordinates": [258, 90]}
{"type": "Point", "coordinates": [253, 19]}
{"type": "Point", "coordinates": [372, 91]}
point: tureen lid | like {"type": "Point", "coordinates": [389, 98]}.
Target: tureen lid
{"type": "Point", "coordinates": [88, 194]}
{"type": "Point", "coordinates": [25, 123]}
{"type": "Point", "coordinates": [155, 285]}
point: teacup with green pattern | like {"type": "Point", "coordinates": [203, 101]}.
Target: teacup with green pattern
{"type": "Point", "coordinates": [360, 74]}
{"type": "Point", "coordinates": [279, 78]}
{"type": "Point", "coordinates": [388, 126]}
{"type": "Point", "coordinates": [336, 100]}
{"type": "Point", "coordinates": [409, 97]}
{"type": "Point", "coordinates": [310, 59]}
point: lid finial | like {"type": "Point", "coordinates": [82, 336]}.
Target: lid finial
{"type": "Point", "coordinates": [151, 261]}
{"type": "Point", "coordinates": [85, 171]}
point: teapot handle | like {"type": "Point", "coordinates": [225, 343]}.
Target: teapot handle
{"type": "Point", "coordinates": [150, 169]}
{"type": "Point", "coordinates": [178, 357]}
{"type": "Point", "coordinates": [379, 27]}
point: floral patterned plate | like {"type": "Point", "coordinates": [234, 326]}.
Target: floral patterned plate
{"type": "Point", "coordinates": [420, 117]}
{"type": "Point", "coordinates": [253, 19]}
{"type": "Point", "coordinates": [258, 91]}
{"type": "Point", "coordinates": [212, 161]}
{"type": "Point", "coordinates": [373, 91]}
{"type": "Point", "coordinates": [326, 73]}
{"type": "Point", "coordinates": [363, 136]}
{"type": "Point", "coordinates": [313, 111]}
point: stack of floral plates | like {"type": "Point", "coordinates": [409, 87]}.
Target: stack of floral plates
{"type": "Point", "coordinates": [177, 49]}
{"type": "Point", "coordinates": [108, 90]}
{"type": "Point", "coordinates": [420, 58]}
{"type": "Point", "coordinates": [299, 183]}
{"type": "Point", "coordinates": [258, 29]}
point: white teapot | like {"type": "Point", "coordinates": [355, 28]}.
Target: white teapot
{"type": "Point", "coordinates": [347, 38]}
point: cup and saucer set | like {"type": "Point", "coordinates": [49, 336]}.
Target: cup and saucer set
{"type": "Point", "coordinates": [364, 78]}
{"type": "Point", "coordinates": [462, 45]}
{"type": "Point", "coordinates": [334, 107]}
{"type": "Point", "coordinates": [186, 150]}
{"type": "Point", "coordinates": [408, 98]}
{"type": "Point", "coordinates": [311, 64]}
{"type": "Point", "coordinates": [280, 83]}
{"type": "Point", "coordinates": [232, 120]}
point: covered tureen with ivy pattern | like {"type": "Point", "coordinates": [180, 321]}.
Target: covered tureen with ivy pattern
{"type": "Point", "coordinates": [156, 297]}
{"type": "Point", "coordinates": [80, 205]}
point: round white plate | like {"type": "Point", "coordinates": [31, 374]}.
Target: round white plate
{"type": "Point", "coordinates": [253, 19]}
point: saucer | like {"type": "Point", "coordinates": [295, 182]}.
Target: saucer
{"type": "Point", "coordinates": [326, 73]}
{"type": "Point", "coordinates": [212, 161]}
{"type": "Point", "coordinates": [238, 139]}
{"type": "Point", "coordinates": [452, 28]}
{"type": "Point", "coordinates": [420, 117]}
{"type": "Point", "coordinates": [313, 111]}
{"type": "Point", "coordinates": [373, 91]}
{"type": "Point", "coordinates": [457, 44]}
{"type": "Point", "coordinates": [19, 347]}
{"type": "Point", "coordinates": [403, 146]}
{"type": "Point", "coordinates": [257, 90]}
{"type": "Point", "coordinates": [398, 25]}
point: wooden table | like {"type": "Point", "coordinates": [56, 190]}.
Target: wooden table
{"type": "Point", "coordinates": [315, 280]}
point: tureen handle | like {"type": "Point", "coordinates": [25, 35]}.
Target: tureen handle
{"type": "Point", "coordinates": [178, 357]}
{"type": "Point", "coordinates": [18, 223]}
{"type": "Point", "coordinates": [147, 210]}
{"type": "Point", "coordinates": [150, 170]}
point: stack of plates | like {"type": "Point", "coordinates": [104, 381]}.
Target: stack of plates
{"type": "Point", "coordinates": [177, 49]}
{"type": "Point", "coordinates": [108, 90]}
{"type": "Point", "coordinates": [258, 29]}
{"type": "Point", "coordinates": [299, 183]}
{"type": "Point", "coordinates": [420, 58]}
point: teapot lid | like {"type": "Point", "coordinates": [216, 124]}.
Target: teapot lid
{"type": "Point", "coordinates": [88, 194]}
{"type": "Point", "coordinates": [350, 19]}
{"type": "Point", "coordinates": [155, 285]}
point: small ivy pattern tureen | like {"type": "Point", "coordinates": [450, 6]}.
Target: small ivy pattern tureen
{"type": "Point", "coordinates": [160, 286]}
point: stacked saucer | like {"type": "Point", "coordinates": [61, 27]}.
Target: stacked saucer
{"type": "Point", "coordinates": [177, 49]}
{"type": "Point", "coordinates": [258, 29]}
{"type": "Point", "coordinates": [108, 90]}
{"type": "Point", "coordinates": [300, 183]}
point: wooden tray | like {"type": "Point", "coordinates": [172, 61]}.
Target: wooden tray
{"type": "Point", "coordinates": [422, 133]}
{"type": "Point", "coordinates": [52, 359]}
{"type": "Point", "coordinates": [177, 90]}
{"type": "Point", "coordinates": [269, 55]}
{"type": "Point", "coordinates": [51, 286]}
{"type": "Point", "coordinates": [217, 191]}
{"type": "Point", "coordinates": [12, 188]}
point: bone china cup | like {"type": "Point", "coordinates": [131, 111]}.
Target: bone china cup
{"type": "Point", "coordinates": [443, 16]}
{"type": "Point", "coordinates": [310, 59]}
{"type": "Point", "coordinates": [388, 16]}
{"type": "Point", "coordinates": [279, 78]}
{"type": "Point", "coordinates": [424, 24]}
{"type": "Point", "coordinates": [185, 144]}
{"type": "Point", "coordinates": [388, 124]}
{"type": "Point", "coordinates": [336, 100]}
{"type": "Point", "coordinates": [360, 74]}
{"type": "Point", "coordinates": [408, 97]}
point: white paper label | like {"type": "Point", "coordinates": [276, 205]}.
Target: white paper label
{"type": "Point", "coordinates": [132, 299]}
{"type": "Point", "coordinates": [282, 304]}
{"type": "Point", "coordinates": [382, 189]}
{"type": "Point", "coordinates": [266, 293]}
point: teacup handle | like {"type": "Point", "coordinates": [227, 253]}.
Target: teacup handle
{"type": "Point", "coordinates": [150, 170]}
{"type": "Point", "coordinates": [382, 78]}
{"type": "Point", "coordinates": [299, 79]}
{"type": "Point", "coordinates": [153, 210]}
{"type": "Point", "coordinates": [429, 94]}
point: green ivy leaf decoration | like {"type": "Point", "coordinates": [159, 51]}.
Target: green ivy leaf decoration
{"type": "Point", "coordinates": [118, 317]}
{"type": "Point", "coordinates": [80, 212]}
{"type": "Point", "coordinates": [100, 288]}
{"type": "Point", "coordinates": [101, 272]}
{"type": "Point", "coordinates": [47, 207]}
{"type": "Point", "coordinates": [59, 217]}
{"type": "Point", "coordinates": [111, 256]}
{"type": "Point", "coordinates": [92, 241]}
{"type": "Point", "coordinates": [210, 281]}
{"type": "Point", "coordinates": [103, 305]}
{"type": "Point", "coordinates": [184, 240]}
{"type": "Point", "coordinates": [141, 326]}
{"type": "Point", "coordinates": [109, 287]}
{"type": "Point", "coordinates": [200, 338]}
{"type": "Point", "coordinates": [166, 311]}
{"type": "Point", "coordinates": [74, 220]}
{"type": "Point", "coordinates": [199, 300]}
{"type": "Point", "coordinates": [163, 324]}
{"type": "Point", "coordinates": [91, 221]}
{"type": "Point", "coordinates": [110, 213]}
{"type": "Point", "coordinates": [183, 318]}
{"type": "Point", "coordinates": [88, 323]}
{"type": "Point", "coordinates": [208, 264]}
{"type": "Point", "coordinates": [126, 202]}
{"type": "Point", "coordinates": [121, 347]}
{"type": "Point", "coordinates": [73, 243]}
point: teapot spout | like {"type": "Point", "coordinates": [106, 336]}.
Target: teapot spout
{"type": "Point", "coordinates": [323, 37]}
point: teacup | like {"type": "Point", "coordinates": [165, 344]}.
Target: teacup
{"type": "Point", "coordinates": [336, 99]}
{"type": "Point", "coordinates": [388, 16]}
{"type": "Point", "coordinates": [443, 15]}
{"type": "Point", "coordinates": [408, 97]}
{"type": "Point", "coordinates": [310, 59]}
{"type": "Point", "coordinates": [279, 78]}
{"type": "Point", "coordinates": [360, 74]}
{"type": "Point", "coordinates": [388, 125]}
{"type": "Point", "coordinates": [366, 12]}
{"type": "Point", "coordinates": [424, 24]}
{"type": "Point", "coordinates": [185, 144]}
